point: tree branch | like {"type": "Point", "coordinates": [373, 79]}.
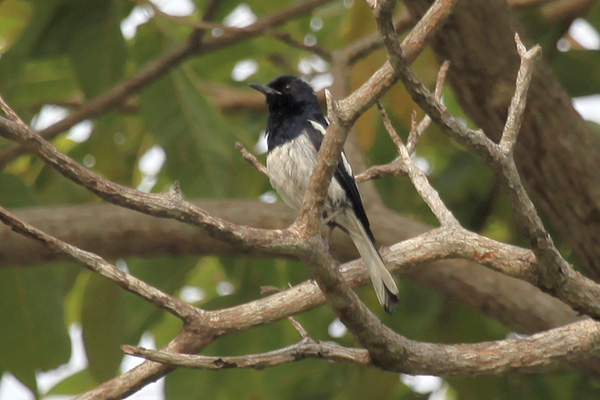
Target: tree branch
{"type": "Point", "coordinates": [385, 77]}
{"type": "Point", "coordinates": [306, 348]}
{"type": "Point", "coordinates": [519, 99]}
{"type": "Point", "coordinates": [418, 178]}
{"type": "Point", "coordinates": [251, 159]}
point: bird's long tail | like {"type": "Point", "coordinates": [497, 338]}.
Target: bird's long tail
{"type": "Point", "coordinates": [383, 282]}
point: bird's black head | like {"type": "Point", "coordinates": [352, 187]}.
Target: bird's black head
{"type": "Point", "coordinates": [288, 95]}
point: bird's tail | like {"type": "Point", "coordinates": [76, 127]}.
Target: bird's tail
{"type": "Point", "coordinates": [383, 282]}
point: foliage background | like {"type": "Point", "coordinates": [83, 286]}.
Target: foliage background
{"type": "Point", "coordinates": [66, 52]}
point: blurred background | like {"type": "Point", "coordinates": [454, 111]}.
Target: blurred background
{"type": "Point", "coordinates": [61, 326]}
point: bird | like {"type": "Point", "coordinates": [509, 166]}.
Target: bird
{"type": "Point", "coordinates": [295, 130]}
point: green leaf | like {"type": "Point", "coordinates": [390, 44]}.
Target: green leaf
{"type": "Point", "coordinates": [14, 17]}
{"type": "Point", "coordinates": [15, 59]}
{"type": "Point", "coordinates": [45, 81]}
{"type": "Point", "coordinates": [15, 193]}
{"type": "Point", "coordinates": [97, 47]}
{"type": "Point", "coordinates": [578, 71]}
{"type": "Point", "coordinates": [103, 321]}
{"type": "Point", "coordinates": [77, 383]}
{"type": "Point", "coordinates": [33, 332]}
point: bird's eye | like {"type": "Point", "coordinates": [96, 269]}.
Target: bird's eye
{"type": "Point", "coordinates": [287, 88]}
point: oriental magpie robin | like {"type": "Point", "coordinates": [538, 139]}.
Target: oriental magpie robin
{"type": "Point", "coordinates": [295, 131]}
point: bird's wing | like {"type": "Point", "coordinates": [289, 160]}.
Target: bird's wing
{"type": "Point", "coordinates": [343, 173]}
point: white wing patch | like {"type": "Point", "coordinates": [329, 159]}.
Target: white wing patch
{"type": "Point", "coordinates": [323, 130]}
{"type": "Point", "coordinates": [347, 165]}
{"type": "Point", "coordinates": [318, 127]}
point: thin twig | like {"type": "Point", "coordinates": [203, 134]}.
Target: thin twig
{"type": "Point", "coordinates": [10, 114]}
{"type": "Point", "coordinates": [395, 167]}
{"type": "Point", "coordinates": [289, 40]}
{"type": "Point", "coordinates": [299, 328]}
{"type": "Point", "coordinates": [251, 158]}
{"type": "Point", "coordinates": [418, 178]}
{"type": "Point", "coordinates": [519, 99]}
{"type": "Point", "coordinates": [417, 131]}
{"type": "Point", "coordinates": [306, 348]}
{"type": "Point", "coordinates": [206, 25]}
{"type": "Point", "coordinates": [389, 127]}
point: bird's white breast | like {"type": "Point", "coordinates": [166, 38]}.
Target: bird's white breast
{"type": "Point", "coordinates": [289, 167]}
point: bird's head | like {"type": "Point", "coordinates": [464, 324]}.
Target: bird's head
{"type": "Point", "coordinates": [288, 93]}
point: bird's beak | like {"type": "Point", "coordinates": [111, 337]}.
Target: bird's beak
{"type": "Point", "coordinates": [264, 89]}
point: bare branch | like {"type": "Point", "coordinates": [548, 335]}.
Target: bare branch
{"type": "Point", "coordinates": [289, 40]}
{"type": "Point", "coordinates": [393, 168]}
{"type": "Point", "coordinates": [309, 218]}
{"type": "Point", "coordinates": [418, 178]}
{"type": "Point", "coordinates": [122, 232]}
{"type": "Point", "coordinates": [251, 158]}
{"type": "Point", "coordinates": [133, 380]}
{"type": "Point", "coordinates": [206, 25]}
{"type": "Point", "coordinates": [10, 114]}
{"type": "Point", "coordinates": [307, 348]}
{"type": "Point", "coordinates": [416, 132]}
{"type": "Point", "coordinates": [384, 78]}
{"type": "Point", "coordinates": [389, 127]}
{"type": "Point", "coordinates": [303, 333]}
{"type": "Point", "coordinates": [519, 99]}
